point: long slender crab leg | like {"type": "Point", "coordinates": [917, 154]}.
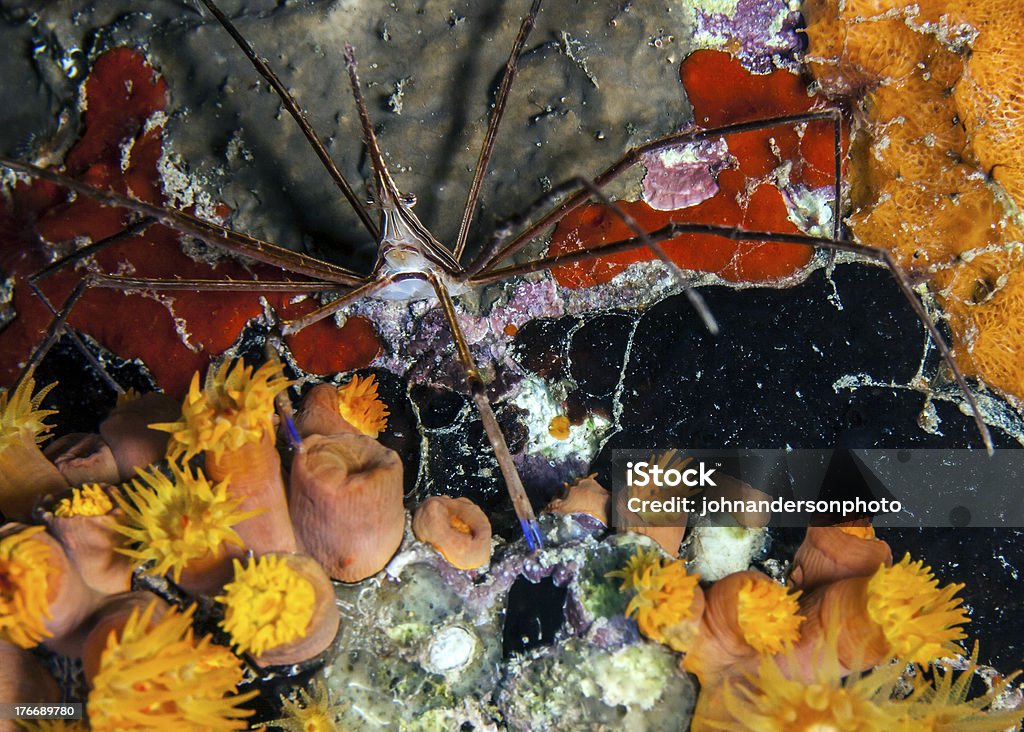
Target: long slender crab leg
{"type": "Point", "coordinates": [298, 115]}
{"type": "Point", "coordinates": [507, 78]}
{"type": "Point", "coordinates": [520, 501]}
{"type": "Point", "coordinates": [90, 249]}
{"type": "Point", "coordinates": [497, 251]}
{"type": "Point", "coordinates": [212, 234]}
{"type": "Point", "coordinates": [119, 282]}
{"type": "Point", "coordinates": [368, 288]}
{"type": "Point", "coordinates": [60, 317]}
{"type": "Point", "coordinates": [670, 231]}
{"type": "Point", "coordinates": [695, 298]}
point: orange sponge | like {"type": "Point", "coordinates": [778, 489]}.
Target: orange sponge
{"type": "Point", "coordinates": [936, 129]}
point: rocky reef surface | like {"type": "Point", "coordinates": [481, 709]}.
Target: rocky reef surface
{"type": "Point", "coordinates": [532, 641]}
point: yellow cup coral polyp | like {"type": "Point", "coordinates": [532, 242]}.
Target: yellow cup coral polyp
{"type": "Point", "coordinates": [360, 406]}
{"type": "Point", "coordinates": [665, 527]}
{"type": "Point", "coordinates": [83, 458]}
{"type": "Point", "coordinates": [667, 602]}
{"type": "Point", "coordinates": [312, 711]}
{"type": "Point", "coordinates": [280, 609]}
{"type": "Point", "coordinates": [184, 524]}
{"type": "Point", "coordinates": [920, 620]}
{"type": "Point", "coordinates": [346, 501]}
{"type": "Point", "coordinates": [25, 578]}
{"type": "Point", "coordinates": [587, 496]}
{"type": "Point", "coordinates": [126, 430]}
{"type": "Point", "coordinates": [156, 675]}
{"type": "Point", "coordinates": [746, 615]}
{"type": "Point", "coordinates": [110, 617]}
{"type": "Point", "coordinates": [87, 500]}
{"type": "Point", "coordinates": [942, 702]}
{"type": "Point", "coordinates": [456, 527]}
{"type": "Point", "coordinates": [830, 553]}
{"type": "Point", "coordinates": [25, 473]}
{"type": "Point", "coordinates": [785, 695]}
{"type": "Point", "coordinates": [899, 611]}
{"type": "Point", "coordinates": [355, 407]}
{"type": "Point", "coordinates": [85, 523]}
{"type": "Point", "coordinates": [230, 421]}
{"type": "Point", "coordinates": [771, 699]}
{"type": "Point", "coordinates": [42, 596]}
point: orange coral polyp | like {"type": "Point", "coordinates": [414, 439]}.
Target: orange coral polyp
{"type": "Point", "coordinates": [457, 528]}
{"type": "Point", "coordinates": [26, 573]}
{"type": "Point", "coordinates": [943, 703]}
{"type": "Point", "coordinates": [920, 620]}
{"type": "Point", "coordinates": [559, 427]}
{"type": "Point", "coordinates": [771, 701]}
{"type": "Point", "coordinates": [587, 496]}
{"type": "Point", "coordinates": [783, 695]}
{"type": "Point", "coordinates": [178, 520]}
{"type": "Point", "coordinates": [831, 553]}
{"type": "Point", "coordinates": [346, 501]}
{"type": "Point", "coordinates": [25, 473]}
{"type": "Point", "coordinates": [155, 675]}
{"type": "Point", "coordinates": [20, 415]}
{"type": "Point", "coordinates": [311, 711]}
{"type": "Point", "coordinates": [87, 500]}
{"type": "Point", "coordinates": [746, 614]}
{"type": "Point", "coordinates": [459, 525]}
{"type": "Point", "coordinates": [360, 405]}
{"type": "Point", "coordinates": [280, 608]}
{"type": "Point", "coordinates": [767, 613]}
{"type": "Point", "coordinates": [898, 611]}
{"type": "Point", "coordinates": [85, 524]}
{"type": "Point", "coordinates": [235, 408]}
{"type": "Point", "coordinates": [668, 602]}
{"type": "Point", "coordinates": [267, 605]}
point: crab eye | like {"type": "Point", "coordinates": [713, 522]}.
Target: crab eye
{"type": "Point", "coordinates": [408, 199]}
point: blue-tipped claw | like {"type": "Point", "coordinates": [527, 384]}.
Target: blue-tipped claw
{"type": "Point", "coordinates": [531, 532]}
{"type": "Point", "coordinates": [293, 434]}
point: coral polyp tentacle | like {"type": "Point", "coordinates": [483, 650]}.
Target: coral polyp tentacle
{"type": "Point", "coordinates": [920, 620]}
{"type": "Point", "coordinates": [26, 574]}
{"type": "Point", "coordinates": [234, 408]}
{"type": "Point", "coordinates": [173, 521]}
{"type": "Point", "coordinates": [86, 500]}
{"type": "Point", "coordinates": [311, 711]}
{"type": "Point", "coordinates": [25, 473]}
{"type": "Point", "coordinates": [267, 605]}
{"type": "Point", "coordinates": [768, 615]}
{"type": "Point", "coordinates": [667, 602]}
{"type": "Point", "coordinates": [361, 406]}
{"type": "Point", "coordinates": [20, 414]}
{"type": "Point", "coordinates": [155, 675]}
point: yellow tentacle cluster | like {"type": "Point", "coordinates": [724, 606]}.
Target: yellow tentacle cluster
{"type": "Point", "coordinates": [235, 407]}
{"type": "Point", "coordinates": [156, 675]}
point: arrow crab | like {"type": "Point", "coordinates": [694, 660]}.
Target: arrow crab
{"type": "Point", "coordinates": [489, 228]}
